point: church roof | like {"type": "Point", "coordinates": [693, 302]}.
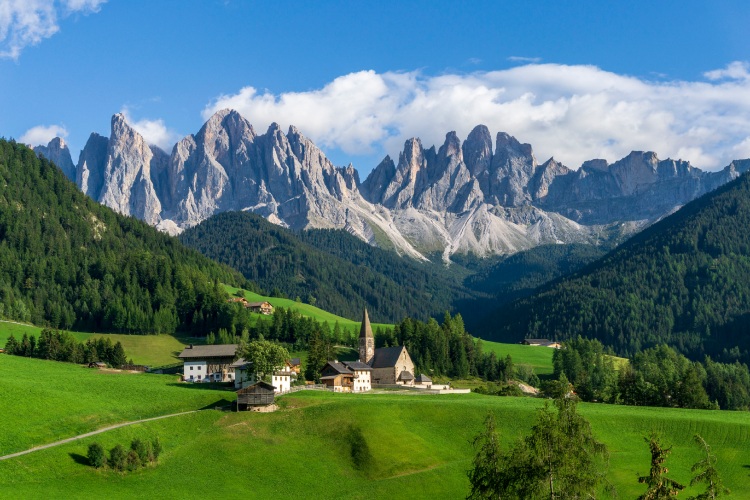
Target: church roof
{"type": "Point", "coordinates": [423, 378]}
{"type": "Point", "coordinates": [365, 330]}
{"type": "Point", "coordinates": [385, 357]}
{"type": "Point", "coordinates": [406, 375]}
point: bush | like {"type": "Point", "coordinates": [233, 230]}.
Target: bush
{"type": "Point", "coordinates": [118, 458]}
{"type": "Point", "coordinates": [157, 448]}
{"type": "Point", "coordinates": [132, 461]}
{"type": "Point", "coordinates": [144, 450]}
{"type": "Point", "coordinates": [96, 455]}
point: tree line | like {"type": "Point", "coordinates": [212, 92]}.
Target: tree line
{"type": "Point", "coordinates": [58, 345]}
{"type": "Point", "coordinates": [658, 376]}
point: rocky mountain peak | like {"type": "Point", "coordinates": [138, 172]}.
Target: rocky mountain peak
{"type": "Point", "coordinates": [58, 153]}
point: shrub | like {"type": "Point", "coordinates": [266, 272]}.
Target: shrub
{"type": "Point", "coordinates": [144, 450]}
{"type": "Point", "coordinates": [96, 455]}
{"type": "Point", "coordinates": [157, 448]}
{"type": "Point", "coordinates": [118, 458]}
{"type": "Point", "coordinates": [132, 461]}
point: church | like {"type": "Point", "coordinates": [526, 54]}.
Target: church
{"type": "Point", "coordinates": [390, 365]}
{"type": "Point", "coordinates": [384, 366]}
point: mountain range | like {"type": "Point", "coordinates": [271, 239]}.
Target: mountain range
{"type": "Point", "coordinates": [461, 198]}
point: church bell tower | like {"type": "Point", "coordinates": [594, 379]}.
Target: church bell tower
{"type": "Point", "coordinates": [366, 340]}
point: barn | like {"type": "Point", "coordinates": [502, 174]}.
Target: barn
{"type": "Point", "coordinates": [256, 395]}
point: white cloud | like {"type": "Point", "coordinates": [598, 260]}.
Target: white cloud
{"type": "Point", "coordinates": [572, 112]}
{"type": "Point", "coordinates": [524, 59]}
{"type": "Point", "coordinates": [153, 131]}
{"type": "Point", "coordinates": [28, 22]}
{"type": "Point", "coordinates": [42, 134]}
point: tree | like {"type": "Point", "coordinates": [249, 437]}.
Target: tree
{"type": "Point", "coordinates": [707, 473]}
{"type": "Point", "coordinates": [487, 462]}
{"type": "Point", "coordinates": [265, 357]}
{"type": "Point", "coordinates": [118, 458]}
{"type": "Point", "coordinates": [118, 356]}
{"type": "Point", "coordinates": [659, 486]}
{"type": "Point", "coordinates": [11, 345]}
{"type": "Point", "coordinates": [96, 455]}
{"type": "Point", "coordinates": [559, 459]}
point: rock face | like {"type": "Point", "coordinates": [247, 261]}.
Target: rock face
{"type": "Point", "coordinates": [462, 197]}
{"type": "Point", "coordinates": [58, 153]}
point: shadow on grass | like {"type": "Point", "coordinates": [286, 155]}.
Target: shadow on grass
{"type": "Point", "coordinates": [79, 459]}
{"type": "Point", "coordinates": [222, 404]}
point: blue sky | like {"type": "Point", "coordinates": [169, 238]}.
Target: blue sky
{"type": "Point", "coordinates": [577, 80]}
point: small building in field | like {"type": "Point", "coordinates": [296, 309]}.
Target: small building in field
{"type": "Point", "coordinates": [97, 364]}
{"type": "Point", "coordinates": [209, 363]}
{"type": "Point", "coordinates": [423, 380]}
{"type": "Point", "coordinates": [542, 342]}
{"type": "Point", "coordinates": [256, 395]}
{"type": "Point", "coordinates": [260, 307]}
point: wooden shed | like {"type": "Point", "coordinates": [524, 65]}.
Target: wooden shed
{"type": "Point", "coordinates": [258, 394]}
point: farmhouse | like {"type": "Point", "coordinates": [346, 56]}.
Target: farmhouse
{"type": "Point", "coordinates": [245, 376]}
{"type": "Point", "coordinates": [260, 307]}
{"type": "Point", "coordinates": [349, 376]}
{"type": "Point", "coordinates": [208, 363]}
{"type": "Point", "coordinates": [542, 342]}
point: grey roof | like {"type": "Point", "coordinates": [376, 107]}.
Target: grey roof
{"type": "Point", "coordinates": [406, 375]}
{"type": "Point", "coordinates": [536, 341]}
{"type": "Point", "coordinates": [256, 385]}
{"type": "Point", "coordinates": [357, 365]}
{"type": "Point", "coordinates": [258, 304]}
{"type": "Point", "coordinates": [294, 361]}
{"type": "Point", "coordinates": [385, 357]}
{"type": "Point", "coordinates": [240, 363]}
{"type": "Point", "coordinates": [339, 367]}
{"type": "Point", "coordinates": [209, 351]}
{"type": "Point", "coordinates": [365, 330]}
{"type": "Point", "coordinates": [423, 378]}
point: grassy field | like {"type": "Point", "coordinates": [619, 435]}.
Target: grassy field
{"type": "Point", "coordinates": [539, 357]}
{"type": "Point", "coordinates": [306, 310]}
{"type": "Point", "coordinates": [150, 350]}
{"type": "Point", "coordinates": [43, 401]}
{"type": "Point", "coordinates": [419, 447]}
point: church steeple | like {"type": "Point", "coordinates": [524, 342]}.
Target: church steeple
{"type": "Point", "coordinates": [366, 340]}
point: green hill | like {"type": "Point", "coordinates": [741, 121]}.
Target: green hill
{"type": "Point", "coordinates": [341, 273]}
{"type": "Point", "coordinates": [684, 281]}
{"type": "Point", "coordinates": [68, 262]}
{"type": "Point", "coordinates": [418, 444]}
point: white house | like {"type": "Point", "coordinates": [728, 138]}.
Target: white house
{"type": "Point", "coordinates": [245, 376]}
{"type": "Point", "coordinates": [208, 363]}
{"type": "Point", "coordinates": [362, 379]}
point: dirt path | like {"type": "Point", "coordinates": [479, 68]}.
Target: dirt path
{"type": "Point", "coordinates": [93, 433]}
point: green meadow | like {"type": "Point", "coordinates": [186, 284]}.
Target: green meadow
{"type": "Point", "coordinates": [419, 448]}
{"type": "Point", "coordinates": [305, 310]}
{"type": "Point", "coordinates": [45, 401]}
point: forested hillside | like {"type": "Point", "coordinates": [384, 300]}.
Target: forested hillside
{"type": "Point", "coordinates": [68, 262]}
{"type": "Point", "coordinates": [330, 268]}
{"type": "Point", "coordinates": [684, 281]}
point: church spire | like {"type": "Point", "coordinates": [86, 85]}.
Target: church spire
{"type": "Point", "coordinates": [366, 340]}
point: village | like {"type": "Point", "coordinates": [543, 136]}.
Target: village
{"type": "Point", "coordinates": [386, 368]}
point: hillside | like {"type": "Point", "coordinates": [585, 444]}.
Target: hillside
{"type": "Point", "coordinates": [329, 268]}
{"type": "Point", "coordinates": [417, 443]}
{"type": "Point", "coordinates": [684, 281]}
{"type": "Point", "coordinates": [68, 262]}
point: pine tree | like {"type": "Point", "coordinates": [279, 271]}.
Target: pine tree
{"type": "Point", "coordinates": [487, 471]}
{"type": "Point", "coordinates": [659, 486]}
{"type": "Point", "coordinates": [707, 473]}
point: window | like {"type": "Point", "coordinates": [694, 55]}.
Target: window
{"type": "Point", "coordinates": [191, 367]}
